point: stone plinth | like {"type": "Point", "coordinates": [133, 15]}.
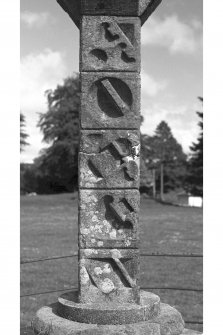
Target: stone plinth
{"type": "Point", "coordinates": [113, 313]}
{"type": "Point", "coordinates": [167, 322]}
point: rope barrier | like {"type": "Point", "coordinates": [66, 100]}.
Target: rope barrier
{"type": "Point", "coordinates": [144, 288]}
{"type": "Point", "coordinates": [143, 254]}
{"type": "Point", "coordinates": [174, 289]}
{"type": "Point", "coordinates": [28, 261]}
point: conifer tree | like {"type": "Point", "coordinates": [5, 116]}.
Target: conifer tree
{"type": "Point", "coordinates": [195, 165]}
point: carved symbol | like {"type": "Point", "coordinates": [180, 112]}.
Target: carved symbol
{"type": "Point", "coordinates": [100, 54]}
{"type": "Point", "coordinates": [120, 214]}
{"type": "Point", "coordinates": [114, 97]}
{"type": "Point", "coordinates": [95, 166]}
{"type": "Point", "coordinates": [125, 150]}
{"type": "Point", "coordinates": [122, 210]}
{"type": "Point", "coordinates": [109, 274]}
{"type": "Point", "coordinates": [105, 285]}
{"type": "Point", "coordinates": [131, 282]}
{"type": "Point", "coordinates": [129, 164]}
{"type": "Point", "coordinates": [118, 39]}
{"type": "Point", "coordinates": [116, 35]}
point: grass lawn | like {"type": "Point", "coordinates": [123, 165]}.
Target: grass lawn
{"type": "Point", "coordinates": [49, 228]}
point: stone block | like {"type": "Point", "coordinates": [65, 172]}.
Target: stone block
{"type": "Point", "coordinates": [146, 8]}
{"type": "Point", "coordinates": [108, 218]}
{"type": "Point", "coordinates": [109, 159]}
{"type": "Point", "coordinates": [170, 320]}
{"type": "Point", "coordinates": [109, 314]}
{"type": "Point", "coordinates": [141, 8]}
{"type": "Point", "coordinates": [110, 44]}
{"type": "Point", "coordinates": [110, 100]}
{"type": "Point", "coordinates": [191, 332]}
{"type": "Point", "coordinates": [111, 7]}
{"type": "Point", "coordinates": [48, 321]}
{"type": "Point", "coordinates": [108, 276]}
{"type": "Point", "coordinates": [72, 7]}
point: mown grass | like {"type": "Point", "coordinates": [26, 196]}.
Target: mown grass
{"type": "Point", "coordinates": [49, 228]}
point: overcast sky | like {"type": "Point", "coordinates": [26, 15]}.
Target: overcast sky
{"type": "Point", "coordinates": [171, 65]}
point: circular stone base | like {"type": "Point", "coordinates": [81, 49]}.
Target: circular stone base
{"type": "Point", "coordinates": [109, 314]}
{"type": "Point", "coordinates": [48, 322]}
{"type": "Point", "coordinates": [190, 332]}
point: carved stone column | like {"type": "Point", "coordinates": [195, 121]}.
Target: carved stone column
{"type": "Point", "coordinates": [109, 299]}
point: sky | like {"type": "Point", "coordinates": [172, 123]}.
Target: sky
{"type": "Point", "coordinates": [171, 74]}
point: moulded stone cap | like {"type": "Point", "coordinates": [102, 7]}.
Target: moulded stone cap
{"type": "Point", "coordinates": [138, 8]}
{"type": "Point", "coordinates": [146, 8]}
{"type": "Point", "coordinates": [72, 7]}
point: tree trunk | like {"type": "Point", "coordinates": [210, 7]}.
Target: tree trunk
{"type": "Point", "coordinates": [161, 182]}
{"type": "Point", "coordinates": [154, 183]}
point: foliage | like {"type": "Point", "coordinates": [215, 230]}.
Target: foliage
{"type": "Point", "coordinates": [60, 127]}
{"type": "Point", "coordinates": [32, 180]}
{"type": "Point", "coordinates": [27, 178]}
{"type": "Point", "coordinates": [146, 177]}
{"type": "Point", "coordinates": [23, 134]}
{"type": "Point", "coordinates": [195, 165]}
{"type": "Point", "coordinates": [163, 148]}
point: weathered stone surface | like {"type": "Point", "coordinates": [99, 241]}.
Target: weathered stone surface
{"type": "Point", "coordinates": [141, 8]}
{"type": "Point", "coordinates": [170, 320]}
{"type": "Point", "coordinates": [48, 322]}
{"type": "Point", "coordinates": [111, 7]}
{"type": "Point", "coordinates": [109, 276]}
{"type": "Point", "coordinates": [190, 332]}
{"type": "Point", "coordinates": [110, 100]}
{"type": "Point", "coordinates": [109, 159]}
{"type": "Point", "coordinates": [108, 218]}
{"type": "Point", "coordinates": [111, 313]}
{"type": "Point", "coordinates": [110, 44]}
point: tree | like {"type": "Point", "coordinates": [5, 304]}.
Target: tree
{"type": "Point", "coordinates": [60, 127]}
{"type": "Point", "coordinates": [195, 165]}
{"type": "Point", "coordinates": [146, 175]}
{"type": "Point", "coordinates": [163, 153]}
{"type": "Point", "coordinates": [23, 134]}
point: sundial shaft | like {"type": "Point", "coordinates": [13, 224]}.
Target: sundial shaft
{"type": "Point", "coordinates": [109, 300]}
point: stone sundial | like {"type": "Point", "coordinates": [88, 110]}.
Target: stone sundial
{"type": "Point", "coordinates": [109, 300]}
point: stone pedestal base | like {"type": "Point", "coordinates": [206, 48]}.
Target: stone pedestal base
{"type": "Point", "coordinates": [111, 313]}
{"type": "Point", "coordinates": [68, 317]}
{"type": "Point", "coordinates": [190, 332]}
{"type": "Point", "coordinates": [168, 322]}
